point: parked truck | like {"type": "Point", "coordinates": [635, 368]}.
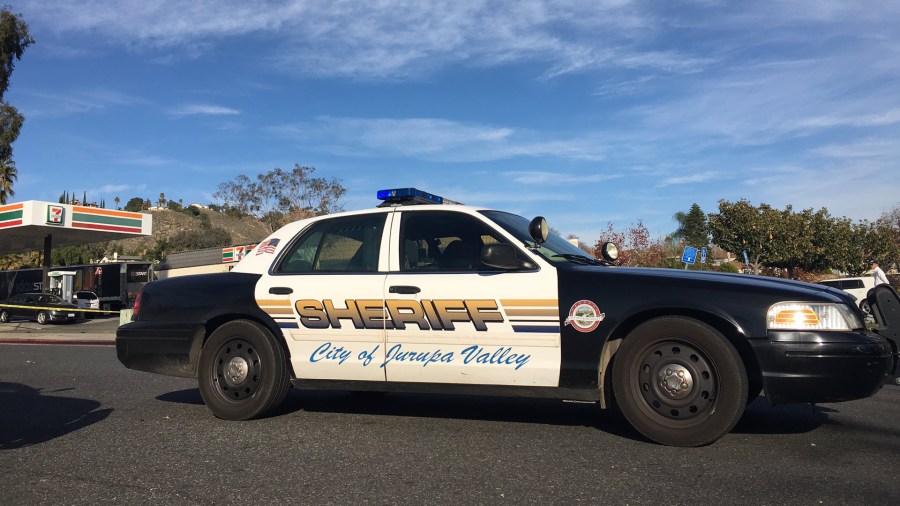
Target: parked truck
{"type": "Point", "coordinates": [115, 283]}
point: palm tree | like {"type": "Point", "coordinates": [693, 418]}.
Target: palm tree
{"type": "Point", "coordinates": [117, 202]}
{"type": "Point", "coordinates": [8, 174]}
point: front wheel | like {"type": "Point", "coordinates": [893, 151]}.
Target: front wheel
{"type": "Point", "coordinates": [679, 382]}
{"type": "Point", "coordinates": [243, 371]}
{"type": "Point", "coordinates": [42, 318]}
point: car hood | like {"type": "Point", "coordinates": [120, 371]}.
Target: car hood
{"type": "Point", "coordinates": [716, 281]}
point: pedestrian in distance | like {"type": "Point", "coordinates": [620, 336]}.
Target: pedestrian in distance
{"type": "Point", "coordinates": [878, 274]}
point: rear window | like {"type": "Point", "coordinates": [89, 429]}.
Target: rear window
{"type": "Point", "coordinates": [86, 295]}
{"type": "Point", "coordinates": [852, 284]}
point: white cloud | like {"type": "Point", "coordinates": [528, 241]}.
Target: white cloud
{"type": "Point", "coordinates": [556, 178]}
{"type": "Point", "coordinates": [116, 188]}
{"type": "Point", "coordinates": [700, 177]}
{"type": "Point", "coordinates": [382, 40]}
{"type": "Point", "coordinates": [143, 160]}
{"type": "Point", "coordinates": [434, 139]}
{"type": "Point", "coordinates": [37, 103]}
{"type": "Point", "coordinates": [203, 110]}
{"type": "Point", "coordinates": [889, 117]}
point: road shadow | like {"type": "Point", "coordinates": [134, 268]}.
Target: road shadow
{"type": "Point", "coordinates": [444, 406]}
{"type": "Point", "coordinates": [759, 418]}
{"type": "Point", "coordinates": [38, 417]}
{"type": "Point", "coordinates": [189, 396]}
{"type": "Point", "coordinates": [764, 418]}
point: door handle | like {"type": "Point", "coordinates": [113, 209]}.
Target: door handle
{"type": "Point", "coordinates": [280, 290]}
{"type": "Point", "coordinates": [404, 289]}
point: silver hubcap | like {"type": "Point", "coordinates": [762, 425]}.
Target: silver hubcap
{"type": "Point", "coordinates": [236, 371]}
{"type": "Point", "coordinates": [675, 380]}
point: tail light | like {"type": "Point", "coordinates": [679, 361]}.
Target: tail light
{"type": "Point", "coordinates": [136, 310]}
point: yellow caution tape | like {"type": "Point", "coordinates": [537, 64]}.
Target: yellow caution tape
{"type": "Point", "coordinates": [60, 309]}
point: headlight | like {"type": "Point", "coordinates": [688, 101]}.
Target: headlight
{"type": "Point", "coordinates": [811, 316]}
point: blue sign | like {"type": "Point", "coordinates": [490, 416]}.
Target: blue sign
{"type": "Point", "coordinates": [690, 255]}
{"type": "Point", "coordinates": [702, 255]}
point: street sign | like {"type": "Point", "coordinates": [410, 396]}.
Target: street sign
{"type": "Point", "coordinates": [702, 255]}
{"type": "Point", "coordinates": [690, 255]}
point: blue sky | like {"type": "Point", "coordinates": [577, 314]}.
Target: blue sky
{"type": "Point", "coordinates": [586, 112]}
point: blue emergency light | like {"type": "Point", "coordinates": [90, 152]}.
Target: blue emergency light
{"type": "Point", "coordinates": [408, 196]}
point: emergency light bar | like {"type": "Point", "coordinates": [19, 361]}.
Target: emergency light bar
{"type": "Point", "coordinates": [410, 196]}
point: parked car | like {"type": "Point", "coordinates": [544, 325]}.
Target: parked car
{"type": "Point", "coordinates": [86, 300]}
{"type": "Point", "coordinates": [857, 287]}
{"type": "Point", "coordinates": [41, 307]}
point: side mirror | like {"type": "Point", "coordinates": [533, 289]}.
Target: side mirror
{"type": "Point", "coordinates": [609, 251]}
{"type": "Point", "coordinates": [500, 256]}
{"type": "Point", "coordinates": [538, 229]}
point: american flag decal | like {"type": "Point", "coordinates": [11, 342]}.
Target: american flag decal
{"type": "Point", "coordinates": [267, 246]}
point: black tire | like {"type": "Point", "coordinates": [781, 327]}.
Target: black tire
{"type": "Point", "coordinates": [243, 371]}
{"type": "Point", "coordinates": [4, 316]}
{"type": "Point", "coordinates": [42, 318]}
{"type": "Point", "coordinates": [713, 388]}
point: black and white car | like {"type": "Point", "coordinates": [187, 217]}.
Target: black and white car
{"type": "Point", "coordinates": [417, 295]}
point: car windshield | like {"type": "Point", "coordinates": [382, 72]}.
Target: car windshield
{"type": "Point", "coordinates": [49, 298]}
{"type": "Point", "coordinates": [556, 249]}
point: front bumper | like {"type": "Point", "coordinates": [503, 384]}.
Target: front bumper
{"type": "Point", "coordinates": [61, 316]}
{"type": "Point", "coordinates": [800, 367]}
{"type": "Point", "coordinates": [170, 349]}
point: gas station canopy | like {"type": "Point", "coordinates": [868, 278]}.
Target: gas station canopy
{"type": "Point", "coordinates": [25, 226]}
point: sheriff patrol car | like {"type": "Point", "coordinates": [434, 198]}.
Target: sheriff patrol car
{"type": "Point", "coordinates": [424, 294]}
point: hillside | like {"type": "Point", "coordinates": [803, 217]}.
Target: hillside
{"type": "Point", "coordinates": [167, 223]}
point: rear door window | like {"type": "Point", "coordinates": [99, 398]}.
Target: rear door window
{"type": "Point", "coordinates": [339, 245]}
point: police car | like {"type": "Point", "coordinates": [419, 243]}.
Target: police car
{"type": "Point", "coordinates": [424, 294]}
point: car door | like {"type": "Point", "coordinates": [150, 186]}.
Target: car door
{"type": "Point", "coordinates": [454, 320]}
{"type": "Point", "coordinates": [29, 300]}
{"type": "Point", "coordinates": [17, 312]}
{"type": "Point", "coordinates": [326, 291]}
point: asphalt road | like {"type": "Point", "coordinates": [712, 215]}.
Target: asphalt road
{"type": "Point", "coordinates": [78, 428]}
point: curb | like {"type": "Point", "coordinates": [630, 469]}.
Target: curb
{"type": "Point", "coordinates": [69, 342]}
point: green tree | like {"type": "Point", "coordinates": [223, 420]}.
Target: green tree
{"type": "Point", "coordinates": [14, 38]}
{"type": "Point", "coordinates": [693, 228]}
{"type": "Point", "coordinates": [134, 204]}
{"type": "Point", "coordinates": [891, 222]}
{"type": "Point", "coordinates": [801, 240]}
{"type": "Point", "coordinates": [8, 174]}
{"type": "Point", "coordinates": [741, 226]}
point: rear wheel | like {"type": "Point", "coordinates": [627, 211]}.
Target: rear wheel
{"type": "Point", "coordinates": [42, 318]}
{"type": "Point", "coordinates": [243, 371]}
{"type": "Point", "coordinates": [679, 382]}
{"type": "Point", "coordinates": [4, 316]}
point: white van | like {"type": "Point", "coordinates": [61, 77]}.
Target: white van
{"type": "Point", "coordinates": [857, 287]}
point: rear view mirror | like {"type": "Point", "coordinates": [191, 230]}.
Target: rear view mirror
{"type": "Point", "coordinates": [504, 256]}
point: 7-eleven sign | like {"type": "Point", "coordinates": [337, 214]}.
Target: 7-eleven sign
{"type": "Point", "coordinates": [55, 215]}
